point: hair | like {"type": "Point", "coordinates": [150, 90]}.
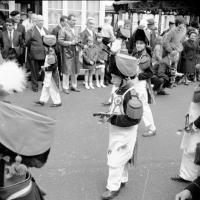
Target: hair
{"type": "Point", "coordinates": [10, 20]}
{"type": "Point", "coordinates": [179, 20]}
{"type": "Point", "coordinates": [62, 18]}
{"type": "Point", "coordinates": [69, 17]}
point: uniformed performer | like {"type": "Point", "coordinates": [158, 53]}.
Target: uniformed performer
{"type": "Point", "coordinates": [189, 169]}
{"type": "Point", "coordinates": [124, 116]}
{"type": "Point", "coordinates": [142, 81]}
{"type": "Point", "coordinates": [25, 140]}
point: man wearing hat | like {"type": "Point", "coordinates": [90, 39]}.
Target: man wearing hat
{"type": "Point", "coordinates": [151, 32]}
{"type": "Point", "coordinates": [124, 119]}
{"type": "Point", "coordinates": [25, 139]}
{"type": "Point", "coordinates": [37, 50]}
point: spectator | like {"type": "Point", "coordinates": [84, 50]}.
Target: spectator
{"type": "Point", "coordinates": [158, 51]}
{"type": "Point", "coordinates": [107, 31]}
{"type": "Point", "coordinates": [11, 41]}
{"type": "Point", "coordinates": [55, 31]}
{"type": "Point", "coordinates": [90, 55]}
{"type": "Point", "coordinates": [23, 16]}
{"type": "Point", "coordinates": [191, 192]}
{"type": "Point", "coordinates": [102, 58]}
{"type": "Point", "coordinates": [189, 56]}
{"type": "Point", "coordinates": [162, 73]}
{"type": "Point", "coordinates": [171, 26]}
{"type": "Point", "coordinates": [37, 50]}
{"type": "Point", "coordinates": [68, 39]}
{"type": "Point", "coordinates": [151, 32]}
{"type": "Point", "coordinates": [28, 23]}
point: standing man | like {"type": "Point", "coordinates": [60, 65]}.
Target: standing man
{"type": "Point", "coordinates": [28, 23]}
{"type": "Point", "coordinates": [69, 54]}
{"type": "Point", "coordinates": [37, 50]}
{"type": "Point", "coordinates": [152, 32]}
{"type": "Point", "coordinates": [171, 25]}
{"type": "Point", "coordinates": [11, 39]}
{"type": "Point", "coordinates": [55, 31]}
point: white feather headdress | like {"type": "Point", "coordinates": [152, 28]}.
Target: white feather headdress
{"type": "Point", "coordinates": [12, 77]}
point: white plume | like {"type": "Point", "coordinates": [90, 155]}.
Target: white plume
{"type": "Point", "coordinates": [12, 77]}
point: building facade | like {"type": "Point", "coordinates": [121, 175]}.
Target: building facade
{"type": "Point", "coordinates": [52, 10]}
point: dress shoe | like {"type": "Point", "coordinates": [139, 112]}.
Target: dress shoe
{"type": "Point", "coordinates": [109, 194]}
{"type": "Point", "coordinates": [162, 92]}
{"type": "Point", "coordinates": [39, 103]}
{"type": "Point", "coordinates": [122, 185]}
{"type": "Point", "coordinates": [56, 105]}
{"type": "Point", "coordinates": [74, 89]}
{"type": "Point", "coordinates": [149, 133]}
{"type": "Point", "coordinates": [179, 179]}
{"type": "Point", "coordinates": [66, 91]}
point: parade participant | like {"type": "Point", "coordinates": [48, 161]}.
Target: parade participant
{"type": "Point", "coordinates": [191, 137]}
{"type": "Point", "coordinates": [142, 81]}
{"type": "Point", "coordinates": [90, 55]}
{"type": "Point", "coordinates": [124, 116]}
{"type": "Point", "coordinates": [25, 139]}
{"type": "Point", "coordinates": [100, 65]}
{"type": "Point", "coordinates": [51, 79]}
{"type": "Point", "coordinates": [191, 192]}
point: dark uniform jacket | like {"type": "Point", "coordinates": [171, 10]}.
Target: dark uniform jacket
{"type": "Point", "coordinates": [194, 188]}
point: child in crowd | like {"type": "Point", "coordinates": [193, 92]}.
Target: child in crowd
{"type": "Point", "coordinates": [51, 81]}
{"type": "Point", "coordinates": [100, 65]}
{"type": "Point", "coordinates": [90, 55]}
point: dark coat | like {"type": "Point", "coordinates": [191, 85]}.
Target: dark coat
{"type": "Point", "coordinates": [5, 42]}
{"type": "Point", "coordinates": [194, 188]}
{"type": "Point", "coordinates": [189, 57]}
{"type": "Point", "coordinates": [90, 54]}
{"type": "Point", "coordinates": [35, 44]}
{"type": "Point", "coordinates": [102, 55]}
{"type": "Point", "coordinates": [85, 34]}
{"type": "Point", "coordinates": [69, 53]}
{"type": "Point", "coordinates": [55, 32]}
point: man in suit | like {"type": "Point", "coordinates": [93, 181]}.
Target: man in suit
{"type": "Point", "coordinates": [68, 39]}
{"type": "Point", "coordinates": [37, 50]}
{"type": "Point", "coordinates": [11, 39]}
{"type": "Point", "coordinates": [55, 31]}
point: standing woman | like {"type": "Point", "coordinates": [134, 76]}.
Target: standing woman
{"type": "Point", "coordinates": [189, 56]}
{"type": "Point", "coordinates": [142, 81]}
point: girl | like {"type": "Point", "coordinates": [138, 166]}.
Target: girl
{"type": "Point", "coordinates": [90, 55]}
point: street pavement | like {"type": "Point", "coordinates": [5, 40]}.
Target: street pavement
{"type": "Point", "coordinates": [76, 168]}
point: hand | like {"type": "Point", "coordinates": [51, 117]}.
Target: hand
{"type": "Point", "coordinates": [91, 63]}
{"type": "Point", "coordinates": [184, 195]}
{"type": "Point", "coordinates": [42, 67]}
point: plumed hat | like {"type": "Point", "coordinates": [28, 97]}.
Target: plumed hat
{"type": "Point", "coordinates": [26, 133]}
{"type": "Point", "coordinates": [124, 65]}
{"type": "Point", "coordinates": [140, 35]}
{"type": "Point", "coordinates": [49, 40]}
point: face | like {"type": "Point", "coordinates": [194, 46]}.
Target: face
{"type": "Point", "coordinates": [193, 36]}
{"type": "Point", "coordinates": [30, 14]}
{"type": "Point", "coordinates": [116, 80]}
{"type": "Point", "coordinates": [40, 23]}
{"type": "Point", "coordinates": [140, 45]}
{"type": "Point", "coordinates": [23, 17]}
{"type": "Point", "coordinates": [72, 21]}
{"type": "Point", "coordinates": [181, 26]}
{"type": "Point", "coordinates": [63, 23]}
{"type": "Point", "coordinates": [9, 26]}
{"type": "Point", "coordinates": [90, 43]}
{"type": "Point", "coordinates": [99, 39]}
{"type": "Point", "coordinates": [90, 24]}
{"type": "Point", "coordinates": [34, 18]}
{"type": "Point", "coordinates": [17, 18]}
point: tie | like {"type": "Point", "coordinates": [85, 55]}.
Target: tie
{"type": "Point", "coordinates": [10, 35]}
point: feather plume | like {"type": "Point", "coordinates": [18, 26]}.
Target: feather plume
{"type": "Point", "coordinates": [12, 77]}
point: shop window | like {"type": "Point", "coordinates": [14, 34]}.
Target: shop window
{"type": "Point", "coordinates": [74, 5]}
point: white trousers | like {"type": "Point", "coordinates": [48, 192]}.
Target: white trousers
{"type": "Point", "coordinates": [116, 176]}
{"type": "Point", "coordinates": [188, 170]}
{"type": "Point", "coordinates": [66, 81]}
{"type": "Point", "coordinates": [50, 89]}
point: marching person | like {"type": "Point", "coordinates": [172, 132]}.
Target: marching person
{"type": "Point", "coordinates": [51, 78]}
{"type": "Point", "coordinates": [68, 39]}
{"type": "Point", "coordinates": [19, 151]}
{"type": "Point", "coordinates": [142, 81]}
{"type": "Point", "coordinates": [189, 169]}
{"type": "Point", "coordinates": [125, 114]}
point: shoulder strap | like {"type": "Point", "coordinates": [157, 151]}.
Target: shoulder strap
{"type": "Point", "coordinates": [131, 88]}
